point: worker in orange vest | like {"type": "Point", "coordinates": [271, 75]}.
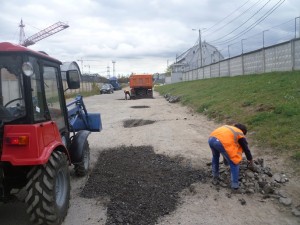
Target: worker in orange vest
{"type": "Point", "coordinates": [230, 141]}
{"type": "Point", "coordinates": [127, 94]}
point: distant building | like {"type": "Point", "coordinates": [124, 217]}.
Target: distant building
{"type": "Point", "coordinates": [69, 66]}
{"type": "Point", "coordinates": [159, 78]}
{"type": "Point", "coordinates": [193, 59]}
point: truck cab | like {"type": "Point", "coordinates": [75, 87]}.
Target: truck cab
{"type": "Point", "coordinates": [114, 82]}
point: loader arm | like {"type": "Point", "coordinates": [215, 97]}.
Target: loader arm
{"type": "Point", "coordinates": [80, 119]}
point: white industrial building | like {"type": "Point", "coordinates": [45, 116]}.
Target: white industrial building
{"type": "Point", "coordinates": [194, 58]}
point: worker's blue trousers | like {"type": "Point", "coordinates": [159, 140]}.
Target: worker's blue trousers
{"type": "Point", "coordinates": [217, 149]}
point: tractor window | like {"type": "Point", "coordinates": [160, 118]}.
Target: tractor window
{"type": "Point", "coordinates": [12, 104]}
{"type": "Point", "coordinates": [38, 102]}
{"type": "Point", "coordinates": [52, 89]}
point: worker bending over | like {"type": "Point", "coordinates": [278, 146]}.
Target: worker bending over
{"type": "Point", "coordinates": [230, 141]}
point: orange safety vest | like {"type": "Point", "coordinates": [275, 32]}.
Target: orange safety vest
{"type": "Point", "coordinates": [229, 136]}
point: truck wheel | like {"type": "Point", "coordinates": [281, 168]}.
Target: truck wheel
{"type": "Point", "coordinates": [82, 168]}
{"type": "Point", "coordinates": [48, 191]}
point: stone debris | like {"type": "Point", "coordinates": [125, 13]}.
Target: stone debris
{"type": "Point", "coordinates": [172, 99]}
{"type": "Point", "coordinates": [258, 179]}
{"type": "Point", "coordinates": [242, 201]}
{"type": "Point", "coordinates": [285, 201]}
{"type": "Point", "coordinates": [296, 211]}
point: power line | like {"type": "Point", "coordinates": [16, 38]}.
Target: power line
{"type": "Point", "coordinates": [244, 22]}
{"type": "Point", "coordinates": [270, 28]}
{"type": "Point", "coordinates": [235, 18]}
{"type": "Point", "coordinates": [226, 16]}
{"type": "Point", "coordinates": [253, 24]}
{"type": "Point", "coordinates": [282, 23]}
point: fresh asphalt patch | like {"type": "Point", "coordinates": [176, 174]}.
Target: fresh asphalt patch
{"type": "Point", "coordinates": [141, 186]}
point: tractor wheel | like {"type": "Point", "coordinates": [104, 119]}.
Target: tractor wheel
{"type": "Point", "coordinates": [48, 191]}
{"type": "Point", "coordinates": [82, 168]}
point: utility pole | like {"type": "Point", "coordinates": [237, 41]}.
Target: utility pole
{"type": "Point", "coordinates": [108, 72]}
{"type": "Point", "coordinates": [114, 69]}
{"type": "Point", "coordinates": [22, 32]}
{"type": "Point", "coordinates": [264, 52]}
{"type": "Point", "coordinates": [296, 26]}
{"type": "Point", "coordinates": [89, 68]}
{"type": "Point", "coordinates": [243, 67]}
{"type": "Point", "coordinates": [84, 60]}
{"type": "Point", "coordinates": [200, 47]}
{"type": "Point", "coordinates": [264, 37]}
{"type": "Point", "coordinates": [228, 61]}
{"type": "Point", "coordinates": [81, 60]}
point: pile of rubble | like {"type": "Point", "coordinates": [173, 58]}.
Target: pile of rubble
{"type": "Point", "coordinates": [171, 99]}
{"type": "Point", "coordinates": [259, 179]}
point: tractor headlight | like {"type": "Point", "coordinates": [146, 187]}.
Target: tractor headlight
{"type": "Point", "coordinates": [27, 68]}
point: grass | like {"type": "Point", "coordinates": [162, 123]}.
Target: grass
{"type": "Point", "coordinates": [269, 104]}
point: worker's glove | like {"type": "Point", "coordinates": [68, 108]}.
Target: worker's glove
{"type": "Point", "coordinates": [250, 163]}
{"type": "Point", "coordinates": [252, 166]}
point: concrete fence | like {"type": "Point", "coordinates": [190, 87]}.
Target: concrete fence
{"type": "Point", "coordinates": [280, 57]}
{"type": "Point", "coordinates": [84, 87]}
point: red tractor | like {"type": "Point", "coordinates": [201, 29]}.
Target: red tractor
{"type": "Point", "coordinates": [40, 135]}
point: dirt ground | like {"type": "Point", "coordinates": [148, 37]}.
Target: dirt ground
{"type": "Point", "coordinates": [170, 141]}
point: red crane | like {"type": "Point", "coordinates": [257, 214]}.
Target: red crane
{"type": "Point", "coordinates": [53, 29]}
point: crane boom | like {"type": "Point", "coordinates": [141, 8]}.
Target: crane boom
{"type": "Point", "coordinates": [59, 26]}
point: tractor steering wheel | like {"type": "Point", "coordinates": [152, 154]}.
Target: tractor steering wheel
{"type": "Point", "coordinates": [15, 111]}
{"type": "Point", "coordinates": [11, 101]}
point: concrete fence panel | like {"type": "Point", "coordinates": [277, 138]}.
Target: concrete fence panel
{"type": "Point", "coordinates": [224, 69]}
{"type": "Point", "coordinates": [236, 66]}
{"type": "Point", "coordinates": [253, 62]}
{"type": "Point", "coordinates": [215, 70]}
{"type": "Point", "coordinates": [280, 57]}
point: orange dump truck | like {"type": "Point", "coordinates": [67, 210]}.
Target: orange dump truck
{"type": "Point", "coordinates": [141, 86]}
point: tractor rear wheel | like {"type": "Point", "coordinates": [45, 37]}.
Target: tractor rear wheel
{"type": "Point", "coordinates": [48, 191]}
{"type": "Point", "coordinates": [82, 168]}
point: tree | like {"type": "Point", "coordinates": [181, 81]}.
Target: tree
{"type": "Point", "coordinates": [123, 79]}
{"type": "Point", "coordinates": [168, 71]}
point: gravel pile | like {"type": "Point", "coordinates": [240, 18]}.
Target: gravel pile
{"type": "Point", "coordinates": [172, 99]}
{"type": "Point", "coordinates": [141, 185]}
{"type": "Point", "coordinates": [259, 179]}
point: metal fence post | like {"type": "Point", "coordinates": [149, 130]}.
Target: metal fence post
{"type": "Point", "coordinates": [293, 54]}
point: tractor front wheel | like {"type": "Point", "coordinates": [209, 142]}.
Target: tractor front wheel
{"type": "Point", "coordinates": [82, 168]}
{"type": "Point", "coordinates": [48, 191]}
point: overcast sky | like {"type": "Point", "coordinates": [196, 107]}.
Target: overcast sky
{"type": "Point", "coordinates": [145, 36]}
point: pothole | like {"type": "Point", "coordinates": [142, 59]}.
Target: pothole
{"type": "Point", "coordinates": [141, 185]}
{"type": "Point", "coordinates": [140, 107]}
{"type": "Point", "coordinates": [135, 123]}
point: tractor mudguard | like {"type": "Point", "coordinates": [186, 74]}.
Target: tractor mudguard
{"type": "Point", "coordinates": [76, 147]}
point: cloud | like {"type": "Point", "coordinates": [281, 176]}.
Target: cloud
{"type": "Point", "coordinates": [139, 35]}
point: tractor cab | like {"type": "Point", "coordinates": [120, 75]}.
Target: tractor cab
{"type": "Point", "coordinates": [31, 89]}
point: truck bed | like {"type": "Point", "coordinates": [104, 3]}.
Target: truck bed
{"type": "Point", "coordinates": [141, 86]}
{"type": "Point", "coordinates": [140, 81]}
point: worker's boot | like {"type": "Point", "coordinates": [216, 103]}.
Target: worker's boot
{"type": "Point", "coordinates": [237, 191]}
{"type": "Point", "coordinates": [216, 180]}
